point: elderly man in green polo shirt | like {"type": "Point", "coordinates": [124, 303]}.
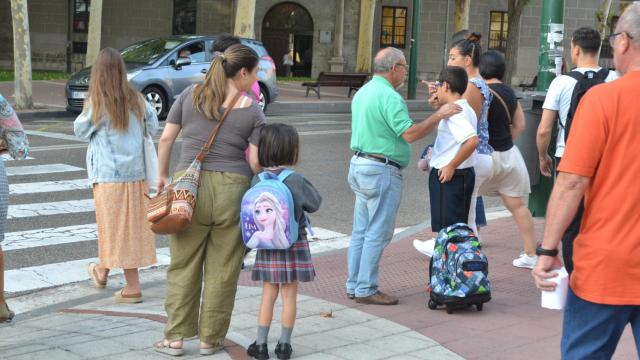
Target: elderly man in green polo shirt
{"type": "Point", "coordinates": [381, 133]}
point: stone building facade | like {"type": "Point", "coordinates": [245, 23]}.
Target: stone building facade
{"type": "Point", "coordinates": [57, 44]}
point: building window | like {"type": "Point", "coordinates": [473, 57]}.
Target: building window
{"type": "Point", "coordinates": [81, 15]}
{"type": "Point", "coordinates": [184, 17]}
{"type": "Point", "coordinates": [394, 26]}
{"type": "Point", "coordinates": [498, 30]}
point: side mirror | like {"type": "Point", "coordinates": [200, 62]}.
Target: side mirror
{"type": "Point", "coordinates": [181, 62]}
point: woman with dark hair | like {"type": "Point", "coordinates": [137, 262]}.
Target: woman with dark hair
{"type": "Point", "coordinates": [465, 53]}
{"type": "Point", "coordinates": [509, 178]}
{"type": "Point", "coordinates": [114, 122]}
{"type": "Point", "coordinates": [205, 258]}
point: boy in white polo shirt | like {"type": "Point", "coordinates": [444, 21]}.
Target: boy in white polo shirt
{"type": "Point", "coordinates": [452, 178]}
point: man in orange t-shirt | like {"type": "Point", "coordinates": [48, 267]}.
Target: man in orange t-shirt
{"type": "Point", "coordinates": [601, 162]}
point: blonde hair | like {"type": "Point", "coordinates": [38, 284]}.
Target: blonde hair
{"type": "Point", "coordinates": [209, 96]}
{"type": "Point", "coordinates": [110, 92]}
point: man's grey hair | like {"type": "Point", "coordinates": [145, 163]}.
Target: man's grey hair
{"type": "Point", "coordinates": [630, 21]}
{"type": "Point", "coordinates": [386, 58]}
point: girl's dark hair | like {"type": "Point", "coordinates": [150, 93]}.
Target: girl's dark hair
{"type": "Point", "coordinates": [278, 145]}
{"type": "Point", "coordinates": [456, 77]}
{"type": "Point", "coordinates": [492, 65]}
{"type": "Point", "coordinates": [470, 46]}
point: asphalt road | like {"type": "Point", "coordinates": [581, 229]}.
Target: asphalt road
{"type": "Point", "coordinates": [324, 159]}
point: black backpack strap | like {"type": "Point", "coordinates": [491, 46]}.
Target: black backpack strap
{"type": "Point", "coordinates": [577, 75]}
{"type": "Point", "coordinates": [603, 74]}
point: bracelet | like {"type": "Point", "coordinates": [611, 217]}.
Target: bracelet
{"type": "Point", "coordinates": [546, 252]}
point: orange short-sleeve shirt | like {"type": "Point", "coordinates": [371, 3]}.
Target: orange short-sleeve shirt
{"type": "Point", "coordinates": [604, 144]}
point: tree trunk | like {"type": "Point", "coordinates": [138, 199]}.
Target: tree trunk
{"type": "Point", "coordinates": [461, 15]}
{"type": "Point", "coordinates": [21, 55]}
{"type": "Point", "coordinates": [602, 26]}
{"type": "Point", "coordinates": [245, 19]}
{"type": "Point", "coordinates": [94, 37]}
{"type": "Point", "coordinates": [513, 38]}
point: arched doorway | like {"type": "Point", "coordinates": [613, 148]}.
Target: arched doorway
{"type": "Point", "coordinates": [288, 27]}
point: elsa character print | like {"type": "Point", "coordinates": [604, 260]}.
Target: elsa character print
{"type": "Point", "coordinates": [269, 218]}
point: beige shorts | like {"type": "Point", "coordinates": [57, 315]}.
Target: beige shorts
{"type": "Point", "coordinates": [509, 175]}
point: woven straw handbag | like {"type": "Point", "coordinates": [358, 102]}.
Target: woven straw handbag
{"type": "Point", "coordinates": [170, 211]}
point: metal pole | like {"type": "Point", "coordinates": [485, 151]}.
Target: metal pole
{"type": "Point", "coordinates": [549, 65]}
{"type": "Point", "coordinates": [413, 56]}
{"type": "Point", "coordinates": [551, 37]}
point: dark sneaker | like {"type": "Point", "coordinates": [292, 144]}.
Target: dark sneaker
{"type": "Point", "coordinates": [283, 351]}
{"type": "Point", "coordinates": [379, 298]}
{"type": "Point", "coordinates": [260, 352]}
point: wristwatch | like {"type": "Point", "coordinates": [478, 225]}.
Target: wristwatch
{"type": "Point", "coordinates": [546, 252]}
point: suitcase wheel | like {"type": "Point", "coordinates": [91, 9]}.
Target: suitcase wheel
{"type": "Point", "coordinates": [432, 305]}
{"type": "Point", "coordinates": [449, 309]}
{"type": "Point", "coordinates": [479, 307]}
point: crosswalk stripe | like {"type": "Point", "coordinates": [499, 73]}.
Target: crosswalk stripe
{"type": "Point", "coordinates": [53, 135]}
{"type": "Point", "coordinates": [49, 236]}
{"type": "Point", "coordinates": [7, 157]}
{"type": "Point", "coordinates": [41, 169]}
{"type": "Point", "coordinates": [50, 208]}
{"type": "Point", "coordinates": [48, 186]}
{"type": "Point", "coordinates": [45, 276]}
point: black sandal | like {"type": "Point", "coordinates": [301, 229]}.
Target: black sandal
{"type": "Point", "coordinates": [283, 351]}
{"type": "Point", "coordinates": [260, 352]}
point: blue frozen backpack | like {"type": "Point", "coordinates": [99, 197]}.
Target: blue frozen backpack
{"type": "Point", "coordinates": [267, 213]}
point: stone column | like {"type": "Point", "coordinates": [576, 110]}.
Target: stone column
{"type": "Point", "coordinates": [95, 32]}
{"type": "Point", "coordinates": [337, 62]}
{"type": "Point", "coordinates": [245, 19]}
{"type": "Point", "coordinates": [461, 15]}
{"type": "Point", "coordinates": [365, 36]}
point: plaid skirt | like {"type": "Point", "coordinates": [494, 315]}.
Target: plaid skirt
{"type": "Point", "coordinates": [284, 266]}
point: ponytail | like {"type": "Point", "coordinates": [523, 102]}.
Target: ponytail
{"type": "Point", "coordinates": [470, 46]}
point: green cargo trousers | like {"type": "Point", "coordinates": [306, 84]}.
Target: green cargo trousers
{"type": "Point", "coordinates": [212, 246]}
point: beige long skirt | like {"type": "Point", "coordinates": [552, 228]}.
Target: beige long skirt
{"type": "Point", "coordinates": [125, 240]}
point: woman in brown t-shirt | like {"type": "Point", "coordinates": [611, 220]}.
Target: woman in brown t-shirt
{"type": "Point", "coordinates": [211, 248]}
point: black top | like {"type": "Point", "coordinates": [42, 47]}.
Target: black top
{"type": "Point", "coordinates": [499, 125]}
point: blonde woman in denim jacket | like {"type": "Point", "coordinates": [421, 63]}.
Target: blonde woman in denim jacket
{"type": "Point", "coordinates": [114, 121]}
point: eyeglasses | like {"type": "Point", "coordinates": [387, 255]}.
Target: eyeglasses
{"type": "Point", "coordinates": [612, 37]}
{"type": "Point", "coordinates": [404, 66]}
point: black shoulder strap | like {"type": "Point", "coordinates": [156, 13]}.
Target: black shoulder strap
{"type": "Point", "coordinates": [603, 73]}
{"type": "Point", "coordinates": [576, 75]}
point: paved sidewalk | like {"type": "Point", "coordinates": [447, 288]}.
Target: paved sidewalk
{"type": "Point", "coordinates": [329, 326]}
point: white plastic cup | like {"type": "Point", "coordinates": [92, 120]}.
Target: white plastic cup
{"type": "Point", "coordinates": [557, 299]}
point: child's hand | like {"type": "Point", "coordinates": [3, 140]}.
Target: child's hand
{"type": "Point", "coordinates": [446, 173]}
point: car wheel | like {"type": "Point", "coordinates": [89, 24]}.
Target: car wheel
{"type": "Point", "coordinates": [158, 100]}
{"type": "Point", "coordinates": [263, 100]}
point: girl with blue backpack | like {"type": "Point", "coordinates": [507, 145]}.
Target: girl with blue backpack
{"type": "Point", "coordinates": [279, 267]}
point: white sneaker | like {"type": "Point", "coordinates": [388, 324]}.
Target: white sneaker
{"type": "Point", "coordinates": [426, 247]}
{"type": "Point", "coordinates": [525, 261]}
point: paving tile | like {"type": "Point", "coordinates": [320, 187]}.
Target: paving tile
{"type": "Point", "coordinates": [21, 332]}
{"type": "Point", "coordinates": [436, 353]}
{"type": "Point", "coordinates": [68, 339]}
{"type": "Point", "coordinates": [358, 333]}
{"type": "Point", "coordinates": [401, 344]}
{"type": "Point", "coordinates": [353, 316]}
{"type": "Point", "coordinates": [11, 351]}
{"type": "Point", "coordinates": [97, 348]}
{"type": "Point", "coordinates": [49, 354]}
{"type": "Point", "coordinates": [243, 321]}
{"type": "Point", "coordinates": [320, 356]}
{"type": "Point", "coordinates": [316, 324]}
{"type": "Point", "coordinates": [388, 326]}
{"type": "Point", "coordinates": [139, 340]}
{"type": "Point", "coordinates": [360, 351]}
{"type": "Point", "coordinates": [319, 342]}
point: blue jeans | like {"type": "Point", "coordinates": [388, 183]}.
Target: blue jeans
{"type": "Point", "coordinates": [378, 190]}
{"type": "Point", "coordinates": [592, 331]}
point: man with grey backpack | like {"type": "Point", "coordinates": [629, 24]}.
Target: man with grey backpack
{"type": "Point", "coordinates": [562, 99]}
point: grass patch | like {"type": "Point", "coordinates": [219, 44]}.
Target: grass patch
{"type": "Point", "coordinates": [6, 75]}
{"type": "Point", "coordinates": [296, 78]}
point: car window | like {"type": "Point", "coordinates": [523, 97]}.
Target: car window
{"type": "Point", "coordinates": [194, 51]}
{"type": "Point", "coordinates": [148, 51]}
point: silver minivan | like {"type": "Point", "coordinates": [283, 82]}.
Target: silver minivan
{"type": "Point", "coordinates": [161, 68]}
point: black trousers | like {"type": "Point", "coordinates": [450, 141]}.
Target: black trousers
{"type": "Point", "coordinates": [570, 234]}
{"type": "Point", "coordinates": [450, 201]}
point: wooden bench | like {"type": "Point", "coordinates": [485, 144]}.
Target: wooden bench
{"type": "Point", "coordinates": [353, 81]}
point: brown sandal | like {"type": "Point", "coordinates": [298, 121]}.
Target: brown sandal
{"type": "Point", "coordinates": [93, 274]}
{"type": "Point", "coordinates": [127, 298]}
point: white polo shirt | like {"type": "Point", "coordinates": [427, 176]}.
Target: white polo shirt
{"type": "Point", "coordinates": [452, 133]}
{"type": "Point", "coordinates": [559, 99]}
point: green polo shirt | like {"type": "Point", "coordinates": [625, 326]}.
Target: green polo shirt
{"type": "Point", "coordinates": [379, 117]}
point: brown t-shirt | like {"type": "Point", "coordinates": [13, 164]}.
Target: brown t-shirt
{"type": "Point", "coordinates": [241, 127]}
